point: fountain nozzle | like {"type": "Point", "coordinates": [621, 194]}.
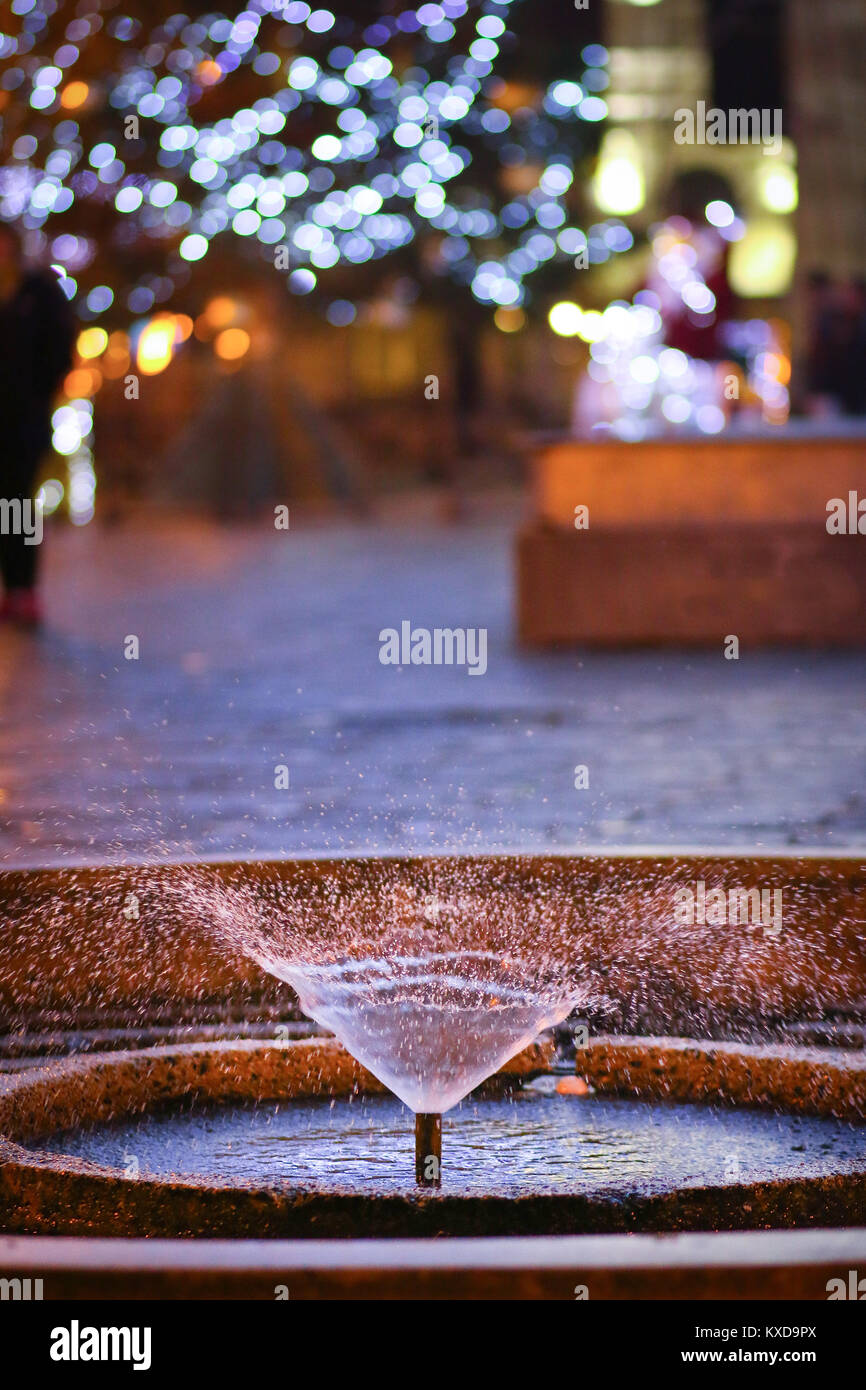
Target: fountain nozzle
{"type": "Point", "coordinates": [428, 1150]}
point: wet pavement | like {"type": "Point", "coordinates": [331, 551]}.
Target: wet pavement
{"type": "Point", "coordinates": [259, 650]}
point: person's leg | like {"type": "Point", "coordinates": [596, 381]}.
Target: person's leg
{"type": "Point", "coordinates": [18, 561]}
{"type": "Point", "coordinates": [19, 556]}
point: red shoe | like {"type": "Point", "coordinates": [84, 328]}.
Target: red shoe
{"type": "Point", "coordinates": [22, 607]}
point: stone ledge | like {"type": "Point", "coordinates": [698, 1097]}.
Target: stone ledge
{"type": "Point", "coordinates": [723, 479]}
{"type": "Point", "coordinates": [760, 1265]}
{"type": "Point", "coordinates": [811, 1081]}
{"type": "Point", "coordinates": [692, 583]}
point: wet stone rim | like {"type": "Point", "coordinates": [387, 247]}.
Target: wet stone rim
{"type": "Point", "coordinates": [43, 1194]}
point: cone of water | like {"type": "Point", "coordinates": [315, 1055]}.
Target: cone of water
{"type": "Point", "coordinates": [432, 987]}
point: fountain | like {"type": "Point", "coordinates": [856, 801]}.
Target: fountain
{"type": "Point", "coordinates": [432, 985]}
{"type": "Point", "coordinates": [237, 1120]}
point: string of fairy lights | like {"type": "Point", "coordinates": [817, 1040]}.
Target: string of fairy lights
{"type": "Point", "coordinates": [396, 160]}
{"type": "Point", "coordinates": [151, 129]}
{"type": "Point", "coordinates": [100, 118]}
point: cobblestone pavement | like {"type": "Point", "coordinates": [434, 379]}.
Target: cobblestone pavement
{"type": "Point", "coordinates": [260, 648]}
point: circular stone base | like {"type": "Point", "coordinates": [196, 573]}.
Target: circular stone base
{"type": "Point", "coordinates": [57, 1193]}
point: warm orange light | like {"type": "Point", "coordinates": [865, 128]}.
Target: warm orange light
{"type": "Point", "coordinates": [511, 96]}
{"type": "Point", "coordinates": [83, 381]}
{"type": "Point", "coordinates": [156, 345]}
{"type": "Point", "coordinates": [509, 319]}
{"type": "Point", "coordinates": [777, 367]}
{"type": "Point", "coordinates": [92, 342]}
{"type": "Point", "coordinates": [231, 344]}
{"type": "Point", "coordinates": [115, 361]}
{"type": "Point", "coordinates": [209, 72]}
{"type": "Point", "coordinates": [220, 312]}
{"type": "Point", "coordinates": [572, 1086]}
{"type": "Point", "coordinates": [74, 94]}
{"type": "Point", "coordinates": [183, 325]}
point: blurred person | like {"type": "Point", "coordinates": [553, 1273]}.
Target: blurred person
{"type": "Point", "coordinates": [836, 349]}
{"type": "Point", "coordinates": [818, 287]}
{"type": "Point", "coordinates": [858, 366]}
{"type": "Point", "coordinates": [36, 336]}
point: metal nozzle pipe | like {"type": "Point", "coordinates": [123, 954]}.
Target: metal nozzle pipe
{"type": "Point", "coordinates": [428, 1150]}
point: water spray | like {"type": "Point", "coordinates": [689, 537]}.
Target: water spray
{"type": "Point", "coordinates": [431, 985]}
{"type": "Point", "coordinates": [428, 1150]}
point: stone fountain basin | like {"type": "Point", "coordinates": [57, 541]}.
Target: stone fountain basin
{"type": "Point", "coordinates": [53, 1193]}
